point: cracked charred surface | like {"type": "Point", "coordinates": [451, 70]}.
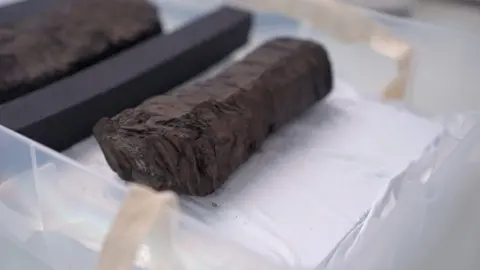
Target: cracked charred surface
{"type": "Point", "coordinates": [193, 138]}
{"type": "Point", "coordinates": [37, 50]}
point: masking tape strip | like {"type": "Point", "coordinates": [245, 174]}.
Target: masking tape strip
{"type": "Point", "coordinates": [346, 24]}
{"type": "Point", "coordinates": [143, 209]}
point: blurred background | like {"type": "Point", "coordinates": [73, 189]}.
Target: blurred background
{"type": "Point", "coordinates": [459, 14]}
{"type": "Point", "coordinates": [445, 40]}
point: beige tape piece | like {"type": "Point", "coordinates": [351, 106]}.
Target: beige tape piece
{"type": "Point", "coordinates": [348, 25]}
{"type": "Point", "coordinates": [142, 210]}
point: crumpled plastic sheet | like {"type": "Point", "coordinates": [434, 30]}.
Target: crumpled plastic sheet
{"type": "Point", "coordinates": [414, 224]}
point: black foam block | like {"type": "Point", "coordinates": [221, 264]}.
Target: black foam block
{"type": "Point", "coordinates": [64, 113]}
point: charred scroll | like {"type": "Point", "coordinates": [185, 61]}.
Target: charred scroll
{"type": "Point", "coordinates": [192, 139]}
{"type": "Point", "coordinates": [37, 50]}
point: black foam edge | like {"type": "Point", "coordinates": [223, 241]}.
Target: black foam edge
{"type": "Point", "coordinates": [64, 113]}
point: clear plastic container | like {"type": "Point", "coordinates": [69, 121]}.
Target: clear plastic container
{"type": "Point", "coordinates": [299, 223]}
{"type": "Point", "coordinates": [44, 213]}
{"type": "Point", "coordinates": [311, 181]}
{"type": "Point", "coordinates": [55, 215]}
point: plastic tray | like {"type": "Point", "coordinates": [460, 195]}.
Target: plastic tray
{"type": "Point", "coordinates": [292, 202]}
{"type": "Point", "coordinates": [55, 215]}
{"type": "Point", "coordinates": [311, 181]}
{"type": "Point", "coordinates": [55, 212]}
